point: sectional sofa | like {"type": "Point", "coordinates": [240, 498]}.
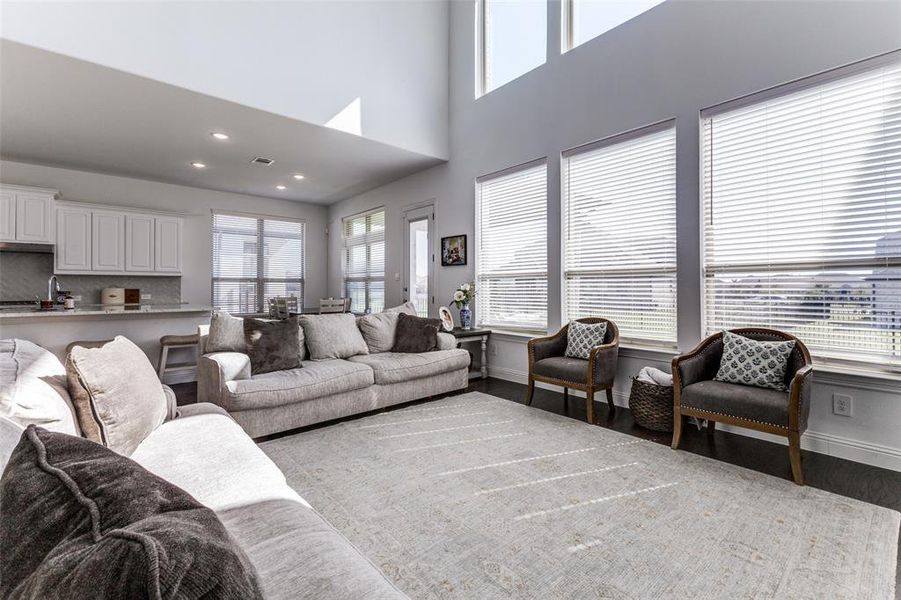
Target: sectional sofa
{"type": "Point", "coordinates": [358, 374]}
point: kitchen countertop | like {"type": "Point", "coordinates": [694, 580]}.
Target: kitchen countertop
{"type": "Point", "coordinates": [29, 312]}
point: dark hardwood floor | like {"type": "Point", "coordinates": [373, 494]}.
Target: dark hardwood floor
{"type": "Point", "coordinates": [855, 480]}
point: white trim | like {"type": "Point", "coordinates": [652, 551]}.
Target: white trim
{"type": "Point", "coordinates": [364, 213]}
{"type": "Point", "coordinates": [119, 208]}
{"type": "Point", "coordinates": [877, 455]}
{"type": "Point", "coordinates": [252, 215]}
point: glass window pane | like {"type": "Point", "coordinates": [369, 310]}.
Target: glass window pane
{"type": "Point", "coordinates": [591, 18]}
{"type": "Point", "coordinates": [418, 276]}
{"type": "Point", "coordinates": [515, 39]}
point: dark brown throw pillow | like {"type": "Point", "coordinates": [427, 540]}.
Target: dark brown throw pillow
{"type": "Point", "coordinates": [272, 345]}
{"type": "Point", "coordinates": [416, 334]}
{"type": "Point", "coordinates": [78, 520]}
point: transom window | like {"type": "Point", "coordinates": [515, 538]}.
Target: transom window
{"type": "Point", "coordinates": [802, 214]}
{"type": "Point", "coordinates": [254, 259]}
{"type": "Point", "coordinates": [619, 198]}
{"type": "Point", "coordinates": [512, 40]}
{"type": "Point", "coordinates": [587, 19]}
{"type": "Point", "coordinates": [364, 261]}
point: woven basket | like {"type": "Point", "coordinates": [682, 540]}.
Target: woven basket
{"type": "Point", "coordinates": [651, 405]}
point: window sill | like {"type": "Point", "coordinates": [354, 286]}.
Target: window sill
{"type": "Point", "coordinates": [850, 377]}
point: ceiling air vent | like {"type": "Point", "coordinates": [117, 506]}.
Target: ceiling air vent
{"type": "Point", "coordinates": [259, 160]}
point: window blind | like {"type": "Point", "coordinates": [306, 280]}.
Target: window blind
{"type": "Point", "coordinates": [620, 233]}
{"type": "Point", "coordinates": [511, 277]}
{"type": "Point", "coordinates": [802, 215]}
{"type": "Point", "coordinates": [364, 261]}
{"type": "Point", "coordinates": [255, 259]}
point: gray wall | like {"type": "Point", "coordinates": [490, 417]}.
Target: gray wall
{"type": "Point", "coordinates": [670, 62]}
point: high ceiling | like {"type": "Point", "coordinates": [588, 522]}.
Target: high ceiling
{"type": "Point", "coordinates": [61, 111]}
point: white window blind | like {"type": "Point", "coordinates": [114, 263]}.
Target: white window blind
{"type": "Point", "coordinates": [620, 233]}
{"type": "Point", "coordinates": [255, 259]}
{"type": "Point", "coordinates": [511, 277]}
{"type": "Point", "coordinates": [364, 261]}
{"type": "Point", "coordinates": [802, 215]}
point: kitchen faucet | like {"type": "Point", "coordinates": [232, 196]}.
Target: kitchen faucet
{"type": "Point", "coordinates": [50, 283]}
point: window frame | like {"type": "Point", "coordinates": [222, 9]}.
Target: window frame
{"type": "Point", "coordinates": [367, 281]}
{"type": "Point", "coordinates": [606, 142]}
{"type": "Point", "coordinates": [477, 262]}
{"type": "Point", "coordinates": [260, 280]}
{"type": "Point", "coordinates": [481, 49]}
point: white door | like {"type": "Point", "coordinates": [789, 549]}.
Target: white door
{"type": "Point", "coordinates": [168, 243]}
{"type": "Point", "coordinates": [108, 242]}
{"type": "Point", "coordinates": [7, 216]}
{"type": "Point", "coordinates": [139, 242]}
{"type": "Point", "coordinates": [419, 259]}
{"type": "Point", "coordinates": [33, 218]}
{"type": "Point", "coordinates": [73, 239]}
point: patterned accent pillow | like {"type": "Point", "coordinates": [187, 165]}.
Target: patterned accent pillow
{"type": "Point", "coordinates": [750, 362]}
{"type": "Point", "coordinates": [272, 345]}
{"type": "Point", "coordinates": [582, 337]}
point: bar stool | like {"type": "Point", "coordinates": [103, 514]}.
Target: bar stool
{"type": "Point", "coordinates": [168, 342]}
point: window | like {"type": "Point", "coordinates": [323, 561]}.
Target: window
{"type": "Point", "coordinates": [619, 222]}
{"type": "Point", "coordinates": [586, 19]}
{"type": "Point", "coordinates": [802, 213]}
{"type": "Point", "coordinates": [364, 261]}
{"type": "Point", "coordinates": [511, 271]}
{"type": "Point", "coordinates": [512, 37]}
{"type": "Point", "coordinates": [254, 259]}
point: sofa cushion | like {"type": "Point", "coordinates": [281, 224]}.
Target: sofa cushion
{"type": "Point", "coordinates": [563, 368]}
{"type": "Point", "coordinates": [80, 521]}
{"type": "Point", "coordinates": [395, 367]}
{"type": "Point", "coordinates": [226, 333]}
{"type": "Point", "coordinates": [316, 379]}
{"type": "Point", "coordinates": [333, 336]}
{"type": "Point", "coordinates": [33, 388]}
{"type": "Point", "coordinates": [118, 397]}
{"type": "Point", "coordinates": [416, 334]}
{"type": "Point", "coordinates": [272, 345]}
{"type": "Point", "coordinates": [757, 404]}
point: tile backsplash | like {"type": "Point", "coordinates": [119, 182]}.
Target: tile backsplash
{"type": "Point", "coordinates": [24, 275]}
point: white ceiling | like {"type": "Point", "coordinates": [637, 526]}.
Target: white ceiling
{"type": "Point", "coordinates": [61, 111]}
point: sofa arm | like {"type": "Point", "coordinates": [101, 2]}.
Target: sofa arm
{"type": "Point", "coordinates": [171, 403]}
{"type": "Point", "coordinates": [215, 370]}
{"type": "Point", "coordinates": [545, 347]}
{"type": "Point", "coordinates": [446, 341]}
{"type": "Point", "coordinates": [701, 364]}
{"type": "Point", "coordinates": [602, 364]}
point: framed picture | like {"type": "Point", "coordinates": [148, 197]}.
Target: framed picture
{"type": "Point", "coordinates": [447, 319]}
{"type": "Point", "coordinates": [453, 251]}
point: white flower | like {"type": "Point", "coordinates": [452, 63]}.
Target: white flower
{"type": "Point", "coordinates": [458, 296]}
{"type": "Point", "coordinates": [465, 287]}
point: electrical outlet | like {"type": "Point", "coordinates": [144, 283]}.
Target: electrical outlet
{"type": "Point", "coordinates": [145, 296]}
{"type": "Point", "coordinates": [842, 405]}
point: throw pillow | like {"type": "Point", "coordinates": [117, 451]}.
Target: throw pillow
{"type": "Point", "coordinates": [582, 337]}
{"type": "Point", "coordinates": [378, 330]}
{"type": "Point", "coordinates": [80, 521]}
{"type": "Point", "coordinates": [272, 345]}
{"type": "Point", "coordinates": [416, 334]}
{"type": "Point", "coordinates": [333, 336]}
{"type": "Point", "coordinates": [117, 395]}
{"type": "Point", "coordinates": [750, 362]}
{"type": "Point", "coordinates": [407, 307]}
{"type": "Point", "coordinates": [226, 333]}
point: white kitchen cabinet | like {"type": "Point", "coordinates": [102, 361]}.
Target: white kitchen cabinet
{"type": "Point", "coordinates": [7, 216]}
{"type": "Point", "coordinates": [168, 244]}
{"type": "Point", "coordinates": [107, 241]}
{"type": "Point", "coordinates": [73, 239]}
{"type": "Point", "coordinates": [140, 237]}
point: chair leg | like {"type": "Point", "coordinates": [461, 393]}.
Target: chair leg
{"type": "Point", "coordinates": [794, 454]}
{"type": "Point", "coordinates": [610, 400]}
{"type": "Point", "coordinates": [711, 427]}
{"type": "Point", "coordinates": [566, 399]}
{"type": "Point", "coordinates": [677, 430]}
{"type": "Point", "coordinates": [589, 405]}
{"type": "Point", "coordinates": [530, 392]}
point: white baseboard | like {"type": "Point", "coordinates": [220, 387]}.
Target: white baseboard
{"type": "Point", "coordinates": [860, 451]}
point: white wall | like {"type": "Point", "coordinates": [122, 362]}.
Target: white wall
{"type": "Point", "coordinates": [196, 276]}
{"type": "Point", "coordinates": [670, 62]}
{"type": "Point", "coordinates": [302, 59]}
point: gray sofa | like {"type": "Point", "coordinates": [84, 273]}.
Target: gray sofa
{"type": "Point", "coordinates": [328, 389]}
{"type": "Point", "coordinates": [199, 448]}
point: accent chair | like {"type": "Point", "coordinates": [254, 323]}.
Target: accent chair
{"type": "Point", "coordinates": [697, 394]}
{"type": "Point", "coordinates": [548, 364]}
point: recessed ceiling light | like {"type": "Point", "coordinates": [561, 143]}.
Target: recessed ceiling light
{"type": "Point", "coordinates": [198, 165]}
{"type": "Point", "coordinates": [298, 177]}
{"type": "Point", "coordinates": [219, 135]}
{"type": "Point", "coordinates": [281, 187]}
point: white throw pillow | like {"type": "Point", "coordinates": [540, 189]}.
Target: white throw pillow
{"type": "Point", "coordinates": [379, 329]}
{"type": "Point", "coordinates": [226, 333]}
{"type": "Point", "coordinates": [333, 336]}
{"type": "Point", "coordinates": [582, 337]}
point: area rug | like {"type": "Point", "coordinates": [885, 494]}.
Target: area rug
{"type": "Point", "coordinates": [478, 497]}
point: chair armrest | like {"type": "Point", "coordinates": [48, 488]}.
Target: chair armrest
{"type": "Point", "coordinates": [700, 364]}
{"type": "Point", "coordinates": [215, 370]}
{"type": "Point", "coordinates": [446, 341]}
{"type": "Point", "coordinates": [602, 364]}
{"type": "Point", "coordinates": [799, 398]}
{"type": "Point", "coordinates": [545, 347]}
{"type": "Point", "coordinates": [171, 403]}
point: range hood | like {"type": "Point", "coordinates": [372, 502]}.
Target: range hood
{"type": "Point", "coordinates": [26, 247]}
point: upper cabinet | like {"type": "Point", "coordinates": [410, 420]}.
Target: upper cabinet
{"type": "Point", "coordinates": [139, 242]}
{"type": "Point", "coordinates": [167, 253]}
{"type": "Point", "coordinates": [73, 240]}
{"type": "Point", "coordinates": [108, 241]}
{"type": "Point", "coordinates": [26, 214]}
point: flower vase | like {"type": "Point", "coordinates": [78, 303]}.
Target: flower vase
{"type": "Point", "coordinates": [465, 316]}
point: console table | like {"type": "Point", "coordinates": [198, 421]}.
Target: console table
{"type": "Point", "coordinates": [475, 335]}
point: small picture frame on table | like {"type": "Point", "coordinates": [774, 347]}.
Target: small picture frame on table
{"type": "Point", "coordinates": [453, 251]}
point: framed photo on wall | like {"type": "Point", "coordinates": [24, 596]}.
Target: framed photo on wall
{"type": "Point", "coordinates": [453, 251]}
